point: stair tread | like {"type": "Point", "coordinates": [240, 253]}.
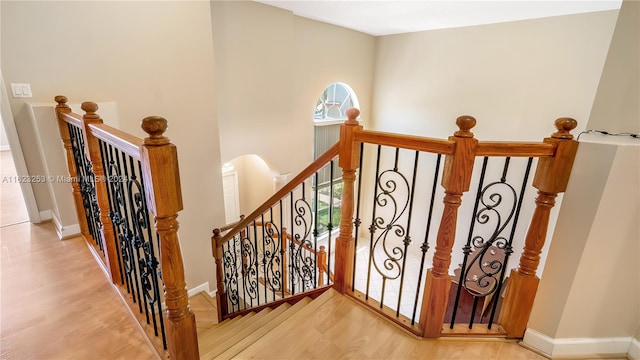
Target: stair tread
{"type": "Point", "coordinates": [221, 345]}
{"type": "Point", "coordinates": [211, 336]}
{"type": "Point", "coordinates": [254, 336]}
{"type": "Point", "coordinates": [286, 328]}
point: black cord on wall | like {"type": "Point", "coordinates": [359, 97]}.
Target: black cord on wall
{"type": "Point", "coordinates": [635, 136]}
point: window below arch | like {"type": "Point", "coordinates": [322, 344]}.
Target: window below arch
{"type": "Point", "coordinates": [330, 113]}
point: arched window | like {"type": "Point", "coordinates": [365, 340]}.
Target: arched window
{"type": "Point", "coordinates": [330, 113]}
{"type": "Point", "coordinates": [334, 102]}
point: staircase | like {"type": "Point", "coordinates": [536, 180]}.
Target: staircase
{"type": "Point", "coordinates": [244, 336]}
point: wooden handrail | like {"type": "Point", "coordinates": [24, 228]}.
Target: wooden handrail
{"type": "Point", "coordinates": [410, 142]}
{"type": "Point", "coordinates": [513, 149]}
{"type": "Point", "coordinates": [290, 186]}
{"type": "Point", "coordinates": [125, 142]}
{"type": "Point", "coordinates": [70, 117]}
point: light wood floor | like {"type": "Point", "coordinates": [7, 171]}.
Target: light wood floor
{"type": "Point", "coordinates": [12, 208]}
{"type": "Point", "coordinates": [56, 303]}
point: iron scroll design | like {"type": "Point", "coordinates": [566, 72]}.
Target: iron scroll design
{"type": "Point", "coordinates": [86, 181]}
{"type": "Point", "coordinates": [303, 261]}
{"type": "Point", "coordinates": [393, 195]}
{"type": "Point", "coordinates": [389, 183]}
{"type": "Point", "coordinates": [137, 242]}
{"type": "Point", "coordinates": [275, 255]}
{"type": "Point", "coordinates": [489, 244]}
{"type": "Point", "coordinates": [497, 211]}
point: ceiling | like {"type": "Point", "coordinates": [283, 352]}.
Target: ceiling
{"type": "Point", "coordinates": [394, 17]}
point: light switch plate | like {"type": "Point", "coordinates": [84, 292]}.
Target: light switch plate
{"type": "Point", "coordinates": [21, 90]}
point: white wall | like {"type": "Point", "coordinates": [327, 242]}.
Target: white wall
{"type": "Point", "coordinates": [4, 142]}
{"type": "Point", "coordinates": [152, 58]}
{"type": "Point", "coordinates": [272, 68]}
{"type": "Point", "coordinates": [255, 181]}
{"type": "Point", "coordinates": [593, 301]}
{"type": "Point", "coordinates": [516, 78]}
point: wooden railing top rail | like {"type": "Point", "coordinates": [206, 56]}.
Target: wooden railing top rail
{"type": "Point", "coordinates": [128, 143]}
{"type": "Point", "coordinates": [290, 186]}
{"type": "Point", "coordinates": [446, 147]}
{"type": "Point", "coordinates": [410, 142]}
{"type": "Point", "coordinates": [72, 118]}
{"type": "Point", "coordinates": [521, 149]}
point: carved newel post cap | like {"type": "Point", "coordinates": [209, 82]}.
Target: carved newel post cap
{"type": "Point", "coordinates": [89, 107]}
{"type": "Point", "coordinates": [155, 126]}
{"type": "Point", "coordinates": [564, 126]}
{"type": "Point", "coordinates": [352, 116]}
{"type": "Point", "coordinates": [465, 124]}
{"type": "Point", "coordinates": [61, 100]}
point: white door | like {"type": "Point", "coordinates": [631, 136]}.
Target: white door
{"type": "Point", "coordinates": [231, 197]}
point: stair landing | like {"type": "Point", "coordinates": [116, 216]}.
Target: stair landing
{"type": "Point", "coordinates": [334, 326]}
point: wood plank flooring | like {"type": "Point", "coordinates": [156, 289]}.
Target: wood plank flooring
{"type": "Point", "coordinates": [12, 207]}
{"type": "Point", "coordinates": [56, 303]}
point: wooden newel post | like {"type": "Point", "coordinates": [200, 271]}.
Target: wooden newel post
{"type": "Point", "coordinates": [322, 265]}
{"type": "Point", "coordinates": [349, 161]}
{"type": "Point", "coordinates": [551, 178]}
{"type": "Point", "coordinates": [61, 109]}
{"type": "Point", "coordinates": [221, 295]}
{"type": "Point", "coordinates": [159, 160]}
{"type": "Point", "coordinates": [456, 179]}
{"type": "Point", "coordinates": [93, 150]}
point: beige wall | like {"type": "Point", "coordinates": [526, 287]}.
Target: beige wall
{"type": "Point", "coordinates": [595, 288]}
{"type": "Point", "coordinates": [516, 78]}
{"type": "Point", "coordinates": [151, 58]}
{"type": "Point", "coordinates": [595, 249]}
{"type": "Point", "coordinates": [272, 68]}
{"type": "Point", "coordinates": [255, 181]}
{"type": "Point", "coordinates": [617, 106]}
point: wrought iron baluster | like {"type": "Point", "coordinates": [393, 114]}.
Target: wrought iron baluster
{"type": "Point", "coordinates": [264, 257]}
{"type": "Point", "coordinates": [315, 225]}
{"type": "Point", "coordinates": [393, 196]}
{"type": "Point", "coordinates": [356, 221]}
{"type": "Point", "coordinates": [372, 227]}
{"type": "Point", "coordinates": [106, 153]}
{"type": "Point", "coordinates": [86, 181]}
{"type": "Point", "coordinates": [283, 253]}
{"type": "Point", "coordinates": [226, 280]}
{"type": "Point", "coordinates": [508, 248]}
{"type": "Point", "coordinates": [467, 248]}
{"type": "Point", "coordinates": [257, 263]}
{"type": "Point", "coordinates": [151, 264]}
{"type": "Point", "coordinates": [292, 247]}
{"type": "Point", "coordinates": [425, 244]}
{"type": "Point", "coordinates": [330, 224]}
{"type": "Point", "coordinates": [132, 239]}
{"type": "Point", "coordinates": [407, 238]}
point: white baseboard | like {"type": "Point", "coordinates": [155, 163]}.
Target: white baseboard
{"type": "Point", "coordinates": [63, 232]}
{"type": "Point", "coordinates": [46, 215]}
{"type": "Point", "coordinates": [5, 148]}
{"type": "Point", "coordinates": [634, 349]}
{"type": "Point", "coordinates": [202, 287]}
{"type": "Point", "coordinates": [576, 347]}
